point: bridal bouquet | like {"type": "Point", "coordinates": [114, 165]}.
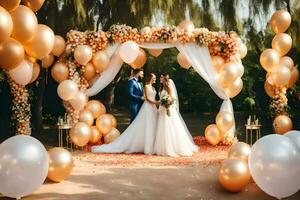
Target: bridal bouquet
{"type": "Point", "coordinates": [167, 101]}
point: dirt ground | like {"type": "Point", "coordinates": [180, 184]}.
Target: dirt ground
{"type": "Point", "coordinates": [138, 176]}
{"type": "Point", "coordinates": [90, 180]}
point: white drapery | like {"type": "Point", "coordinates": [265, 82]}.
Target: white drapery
{"type": "Point", "coordinates": [197, 56]}
{"type": "Point", "coordinates": [106, 77]}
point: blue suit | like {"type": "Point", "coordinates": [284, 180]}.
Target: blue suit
{"type": "Point", "coordinates": [135, 92]}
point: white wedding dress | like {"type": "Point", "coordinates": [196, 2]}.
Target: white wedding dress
{"type": "Point", "coordinates": [172, 136]}
{"type": "Point", "coordinates": [140, 135]}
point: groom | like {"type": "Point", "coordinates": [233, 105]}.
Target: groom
{"type": "Point", "coordinates": [135, 92]}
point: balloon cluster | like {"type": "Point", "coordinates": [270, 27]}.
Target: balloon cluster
{"type": "Point", "coordinates": [276, 175]}
{"type": "Point", "coordinates": [216, 133]}
{"type": "Point", "coordinates": [281, 72]}
{"type": "Point", "coordinates": [274, 163]}
{"type": "Point", "coordinates": [58, 164]}
{"type": "Point", "coordinates": [22, 42]}
{"type": "Point", "coordinates": [94, 124]}
{"type": "Point", "coordinates": [229, 76]}
{"type": "Point", "coordinates": [24, 166]}
{"type": "Point", "coordinates": [234, 174]}
{"type": "Point", "coordinates": [90, 121]}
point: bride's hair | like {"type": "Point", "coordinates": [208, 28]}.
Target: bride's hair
{"type": "Point", "coordinates": [166, 84]}
{"type": "Point", "coordinates": [150, 76]}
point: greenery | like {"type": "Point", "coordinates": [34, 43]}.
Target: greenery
{"type": "Point", "coordinates": [249, 18]}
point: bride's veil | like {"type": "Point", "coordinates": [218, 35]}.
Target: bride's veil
{"type": "Point", "coordinates": [175, 94]}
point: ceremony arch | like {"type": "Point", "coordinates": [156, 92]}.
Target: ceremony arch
{"type": "Point", "coordinates": [215, 56]}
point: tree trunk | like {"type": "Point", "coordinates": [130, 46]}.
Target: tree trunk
{"type": "Point", "coordinates": [40, 98]}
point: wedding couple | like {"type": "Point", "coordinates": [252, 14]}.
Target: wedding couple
{"type": "Point", "coordinates": [157, 126]}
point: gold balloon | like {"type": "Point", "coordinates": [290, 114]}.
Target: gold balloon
{"type": "Point", "coordinates": [269, 59]}
{"type": "Point", "coordinates": [213, 135]}
{"type": "Point", "coordinates": [96, 107]}
{"type": "Point", "coordinates": [242, 50]}
{"type": "Point", "coordinates": [228, 74]}
{"type": "Point", "coordinates": [35, 72]}
{"type": "Point", "coordinates": [83, 54]}
{"type": "Point", "coordinates": [87, 117]}
{"type": "Point", "coordinates": [111, 136]}
{"type": "Point", "coordinates": [217, 63]}
{"type": "Point", "coordinates": [11, 54]}
{"type": "Point", "coordinates": [224, 121]}
{"type": "Point", "coordinates": [235, 88]}
{"type": "Point", "coordinates": [104, 124]}
{"type": "Point", "coordinates": [114, 120]}
{"type": "Point", "coordinates": [282, 124]}
{"type": "Point", "coordinates": [25, 24]}
{"type": "Point", "coordinates": [234, 175]}
{"type": "Point", "coordinates": [60, 164]}
{"type": "Point", "coordinates": [183, 62]}
{"type": "Point", "coordinates": [89, 71]}
{"type": "Point", "coordinates": [10, 5]}
{"type": "Point", "coordinates": [47, 61]}
{"type": "Point", "coordinates": [60, 72]}
{"type": "Point", "coordinates": [140, 60]}
{"type": "Point", "coordinates": [282, 43]}
{"type": "Point", "coordinates": [67, 90]}
{"type": "Point", "coordinates": [42, 44]}
{"type": "Point", "coordinates": [100, 61]}
{"type": "Point", "coordinates": [280, 21]}
{"type": "Point", "coordinates": [96, 135]}
{"type": "Point", "coordinates": [80, 134]}
{"type": "Point", "coordinates": [6, 25]}
{"type": "Point", "coordinates": [59, 45]}
{"type": "Point", "coordinates": [79, 101]}
{"type": "Point", "coordinates": [270, 90]}
{"type": "Point", "coordinates": [239, 150]}
{"type": "Point", "coordinates": [287, 61]}
{"type": "Point", "coordinates": [294, 77]}
{"type": "Point", "coordinates": [155, 52]}
{"type": "Point", "coordinates": [186, 25]}
{"type": "Point", "coordinates": [240, 68]}
{"type": "Point", "coordinates": [281, 76]}
{"type": "Point", "coordinates": [269, 78]}
{"type": "Point", "coordinates": [35, 5]}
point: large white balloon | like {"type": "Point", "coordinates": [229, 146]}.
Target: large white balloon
{"type": "Point", "coordinates": [295, 137]}
{"type": "Point", "coordinates": [129, 51]}
{"type": "Point", "coordinates": [23, 166]}
{"type": "Point", "coordinates": [274, 165]}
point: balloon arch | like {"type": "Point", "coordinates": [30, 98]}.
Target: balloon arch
{"type": "Point", "coordinates": [91, 60]}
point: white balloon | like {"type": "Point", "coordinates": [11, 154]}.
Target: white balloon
{"type": "Point", "coordinates": [23, 166]}
{"type": "Point", "coordinates": [129, 51]}
{"type": "Point", "coordinates": [274, 164]}
{"type": "Point", "coordinates": [295, 137]}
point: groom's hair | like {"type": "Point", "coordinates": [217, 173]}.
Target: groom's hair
{"type": "Point", "coordinates": [136, 71]}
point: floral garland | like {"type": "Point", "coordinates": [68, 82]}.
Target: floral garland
{"type": "Point", "coordinates": [219, 43]}
{"type": "Point", "coordinates": [279, 103]}
{"type": "Point", "coordinates": [21, 113]}
{"type": "Point", "coordinates": [75, 74]}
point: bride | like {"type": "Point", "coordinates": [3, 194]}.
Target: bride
{"type": "Point", "coordinates": [140, 135]}
{"type": "Point", "coordinates": [172, 135]}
